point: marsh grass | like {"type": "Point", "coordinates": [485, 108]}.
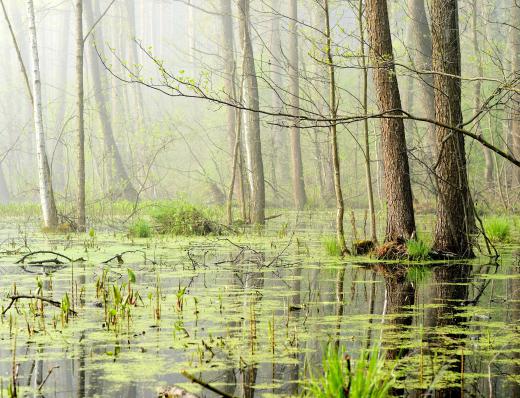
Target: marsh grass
{"type": "Point", "coordinates": [417, 250]}
{"type": "Point", "coordinates": [330, 244]}
{"type": "Point", "coordinates": [183, 218]}
{"type": "Point", "coordinates": [140, 229]}
{"type": "Point", "coordinates": [368, 378]}
{"type": "Point", "coordinates": [498, 229]}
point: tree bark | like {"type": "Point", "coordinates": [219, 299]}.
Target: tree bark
{"type": "Point", "coordinates": [120, 182]}
{"type": "Point", "coordinates": [515, 101]}
{"type": "Point", "coordinates": [50, 216]}
{"type": "Point", "coordinates": [489, 171]}
{"type": "Point", "coordinates": [422, 60]}
{"type": "Point", "coordinates": [333, 135]}
{"type": "Point", "coordinates": [455, 213]}
{"type": "Point", "coordinates": [81, 117]}
{"type": "Point", "coordinates": [400, 214]}
{"type": "Point", "coordinates": [251, 121]}
{"type": "Point", "coordinates": [299, 196]}
{"type": "Point", "coordinates": [368, 165]}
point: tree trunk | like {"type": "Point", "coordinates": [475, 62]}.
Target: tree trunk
{"type": "Point", "coordinates": [422, 60]}
{"type": "Point", "coordinates": [299, 195]}
{"type": "Point", "coordinates": [515, 102]}
{"type": "Point", "coordinates": [278, 169]}
{"type": "Point", "coordinates": [120, 182]}
{"type": "Point", "coordinates": [333, 136]}
{"type": "Point", "coordinates": [50, 216]}
{"type": "Point", "coordinates": [455, 213]}
{"type": "Point", "coordinates": [489, 172]}
{"type": "Point", "coordinates": [368, 165]}
{"type": "Point", "coordinates": [81, 120]}
{"type": "Point", "coordinates": [4, 189]}
{"type": "Point", "coordinates": [252, 121]}
{"type": "Point", "coordinates": [400, 215]}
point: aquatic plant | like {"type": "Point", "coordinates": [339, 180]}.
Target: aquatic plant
{"type": "Point", "coordinates": [418, 273]}
{"type": "Point", "coordinates": [182, 218]}
{"type": "Point", "coordinates": [498, 229]}
{"type": "Point", "coordinates": [367, 379]}
{"type": "Point", "coordinates": [417, 249]}
{"type": "Point", "coordinates": [140, 229]}
{"type": "Point", "coordinates": [331, 246]}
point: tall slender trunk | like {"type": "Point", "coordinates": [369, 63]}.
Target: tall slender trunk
{"type": "Point", "coordinates": [489, 172]}
{"type": "Point", "coordinates": [299, 196]}
{"type": "Point", "coordinates": [251, 120]}
{"type": "Point", "coordinates": [50, 216]}
{"type": "Point", "coordinates": [455, 213]}
{"type": "Point", "coordinates": [422, 60]}
{"type": "Point", "coordinates": [120, 182]}
{"type": "Point", "coordinates": [278, 143]}
{"type": "Point", "coordinates": [81, 117]}
{"type": "Point", "coordinates": [368, 166]}
{"type": "Point", "coordinates": [4, 188]}
{"type": "Point", "coordinates": [58, 157]}
{"type": "Point", "coordinates": [400, 224]}
{"type": "Point", "coordinates": [333, 135]}
{"type": "Point", "coordinates": [515, 103]}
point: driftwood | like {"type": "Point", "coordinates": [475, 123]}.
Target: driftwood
{"type": "Point", "coordinates": [176, 392]}
{"type": "Point", "coordinates": [54, 261]}
{"type": "Point", "coordinates": [206, 385]}
{"type": "Point", "coordinates": [119, 257]}
{"type": "Point", "coordinates": [17, 297]}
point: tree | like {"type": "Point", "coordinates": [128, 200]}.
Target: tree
{"type": "Point", "coordinates": [368, 166]}
{"type": "Point", "coordinates": [478, 92]}
{"type": "Point", "coordinates": [333, 134]}
{"type": "Point", "coordinates": [455, 213]}
{"type": "Point", "coordinates": [50, 215]}
{"type": "Point", "coordinates": [421, 56]}
{"type": "Point", "coordinates": [120, 181]}
{"type": "Point", "coordinates": [515, 100]}
{"type": "Point", "coordinates": [299, 195]}
{"type": "Point", "coordinates": [400, 223]}
{"type": "Point", "coordinates": [251, 120]}
{"type": "Point", "coordinates": [80, 206]}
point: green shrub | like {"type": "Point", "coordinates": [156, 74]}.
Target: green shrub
{"type": "Point", "coordinates": [497, 229]}
{"type": "Point", "coordinates": [140, 229]}
{"type": "Point", "coordinates": [368, 378]}
{"type": "Point", "coordinates": [417, 250]}
{"type": "Point", "coordinates": [182, 218]}
{"type": "Point", "coordinates": [330, 243]}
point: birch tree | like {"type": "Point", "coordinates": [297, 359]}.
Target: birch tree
{"type": "Point", "coordinates": [50, 216]}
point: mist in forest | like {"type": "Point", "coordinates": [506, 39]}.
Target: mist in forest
{"type": "Point", "coordinates": [169, 86]}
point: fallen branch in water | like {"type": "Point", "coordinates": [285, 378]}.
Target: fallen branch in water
{"type": "Point", "coordinates": [206, 385]}
{"type": "Point", "coordinates": [70, 260]}
{"type": "Point", "coordinates": [30, 297]}
{"type": "Point", "coordinates": [119, 257]}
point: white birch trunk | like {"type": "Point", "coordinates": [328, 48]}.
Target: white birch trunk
{"type": "Point", "coordinates": [50, 217]}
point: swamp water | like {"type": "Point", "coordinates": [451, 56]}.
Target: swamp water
{"type": "Point", "coordinates": [251, 315]}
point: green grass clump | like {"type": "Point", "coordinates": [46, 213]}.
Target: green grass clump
{"type": "Point", "coordinates": [141, 229]}
{"type": "Point", "coordinates": [368, 378]}
{"type": "Point", "coordinates": [417, 250]}
{"type": "Point", "coordinates": [498, 229]}
{"type": "Point", "coordinates": [330, 243]}
{"type": "Point", "coordinates": [182, 218]}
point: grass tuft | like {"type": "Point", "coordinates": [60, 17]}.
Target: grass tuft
{"type": "Point", "coordinates": [368, 378]}
{"type": "Point", "coordinates": [498, 229]}
{"type": "Point", "coordinates": [330, 243]}
{"type": "Point", "coordinates": [182, 218]}
{"type": "Point", "coordinates": [417, 250]}
{"type": "Point", "coordinates": [140, 229]}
